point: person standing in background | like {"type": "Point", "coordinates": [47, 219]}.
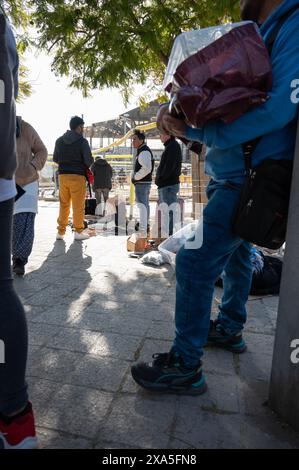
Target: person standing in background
{"type": "Point", "coordinates": [32, 156]}
{"type": "Point", "coordinates": [102, 172]}
{"type": "Point", "coordinates": [168, 178]}
{"type": "Point", "coordinates": [142, 178]}
{"type": "Point", "coordinates": [17, 426]}
{"type": "Point", "coordinates": [73, 155]}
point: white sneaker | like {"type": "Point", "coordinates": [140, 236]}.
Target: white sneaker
{"type": "Point", "coordinates": [81, 236]}
{"type": "Point", "coordinates": [59, 236]}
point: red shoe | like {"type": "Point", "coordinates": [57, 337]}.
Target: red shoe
{"type": "Point", "coordinates": [20, 433]}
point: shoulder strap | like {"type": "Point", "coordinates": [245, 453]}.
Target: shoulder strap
{"type": "Point", "coordinates": [249, 147]}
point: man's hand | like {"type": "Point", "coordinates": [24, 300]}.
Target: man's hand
{"type": "Point", "coordinates": [168, 124]}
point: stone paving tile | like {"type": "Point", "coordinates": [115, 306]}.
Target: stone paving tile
{"type": "Point", "coordinates": [41, 393]}
{"type": "Point", "coordinates": [41, 334]}
{"type": "Point", "coordinates": [55, 364]}
{"type": "Point", "coordinates": [49, 439]}
{"type": "Point", "coordinates": [112, 321]}
{"type": "Point", "coordinates": [259, 343]}
{"type": "Point", "coordinates": [77, 410]}
{"type": "Point", "coordinates": [139, 421]}
{"type": "Point", "coordinates": [203, 430]}
{"type": "Point", "coordinates": [221, 397]}
{"type": "Point", "coordinates": [266, 432]}
{"type": "Point", "coordinates": [47, 295]}
{"type": "Point", "coordinates": [217, 361]}
{"type": "Point", "coordinates": [258, 319]}
{"type": "Point", "coordinates": [150, 309]}
{"type": "Point", "coordinates": [99, 373]}
{"type": "Point", "coordinates": [255, 366]}
{"type": "Point", "coordinates": [26, 287]}
{"type": "Point", "coordinates": [115, 345]}
{"type": "Point", "coordinates": [74, 340]}
{"type": "Point", "coordinates": [63, 315]}
{"type": "Point", "coordinates": [253, 394]}
{"type": "Point", "coordinates": [270, 305]}
{"type": "Point", "coordinates": [161, 330]}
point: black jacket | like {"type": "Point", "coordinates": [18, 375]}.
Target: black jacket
{"type": "Point", "coordinates": [8, 74]}
{"type": "Point", "coordinates": [169, 170]}
{"type": "Point", "coordinates": [73, 154]}
{"type": "Point", "coordinates": [102, 174]}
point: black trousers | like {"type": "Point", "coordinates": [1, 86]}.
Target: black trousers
{"type": "Point", "coordinates": [13, 326]}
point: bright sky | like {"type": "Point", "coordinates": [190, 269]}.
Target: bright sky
{"type": "Point", "coordinates": [52, 103]}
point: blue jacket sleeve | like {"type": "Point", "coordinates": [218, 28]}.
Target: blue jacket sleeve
{"type": "Point", "coordinates": [277, 112]}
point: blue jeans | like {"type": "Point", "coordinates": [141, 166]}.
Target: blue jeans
{"type": "Point", "coordinates": [198, 269]}
{"type": "Point", "coordinates": [142, 192]}
{"type": "Point", "coordinates": [169, 195]}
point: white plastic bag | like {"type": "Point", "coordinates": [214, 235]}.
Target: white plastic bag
{"type": "Point", "coordinates": [172, 245]}
{"type": "Point", "coordinates": [187, 44]}
{"type": "Point", "coordinates": [154, 258]}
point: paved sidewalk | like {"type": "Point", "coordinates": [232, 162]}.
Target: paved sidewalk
{"type": "Point", "coordinates": [92, 311]}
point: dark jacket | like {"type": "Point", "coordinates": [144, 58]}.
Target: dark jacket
{"type": "Point", "coordinates": [102, 174]}
{"type": "Point", "coordinates": [8, 88]}
{"type": "Point", "coordinates": [169, 170]}
{"type": "Point", "coordinates": [73, 154]}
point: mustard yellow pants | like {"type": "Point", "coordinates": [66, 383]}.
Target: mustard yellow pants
{"type": "Point", "coordinates": [72, 189]}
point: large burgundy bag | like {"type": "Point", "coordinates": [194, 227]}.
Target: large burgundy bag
{"type": "Point", "coordinates": [224, 79]}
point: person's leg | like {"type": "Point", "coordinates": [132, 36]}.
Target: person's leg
{"type": "Point", "coordinates": [16, 418]}
{"type": "Point", "coordinates": [13, 327]}
{"type": "Point", "coordinates": [142, 191]}
{"type": "Point", "coordinates": [78, 191]}
{"type": "Point", "coordinates": [98, 194]}
{"type": "Point", "coordinates": [197, 269]}
{"type": "Point", "coordinates": [23, 237]}
{"type": "Point", "coordinates": [65, 203]}
{"type": "Point", "coordinates": [226, 331]}
{"type": "Point", "coordinates": [169, 196]}
{"type": "Point", "coordinates": [237, 277]}
{"type": "Point", "coordinates": [106, 194]}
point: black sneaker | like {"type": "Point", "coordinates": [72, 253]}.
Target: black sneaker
{"type": "Point", "coordinates": [218, 337]}
{"type": "Point", "coordinates": [18, 267]}
{"type": "Point", "coordinates": [167, 373]}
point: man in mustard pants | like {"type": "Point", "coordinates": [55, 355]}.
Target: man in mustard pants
{"type": "Point", "coordinates": [73, 156]}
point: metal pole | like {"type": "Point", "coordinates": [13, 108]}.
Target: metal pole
{"type": "Point", "coordinates": [284, 385]}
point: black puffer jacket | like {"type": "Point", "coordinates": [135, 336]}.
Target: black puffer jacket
{"type": "Point", "coordinates": [102, 174]}
{"type": "Point", "coordinates": [73, 154]}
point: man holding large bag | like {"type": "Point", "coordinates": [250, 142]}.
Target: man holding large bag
{"type": "Point", "coordinates": [274, 122]}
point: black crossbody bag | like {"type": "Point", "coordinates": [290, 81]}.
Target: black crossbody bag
{"type": "Point", "coordinates": [262, 213]}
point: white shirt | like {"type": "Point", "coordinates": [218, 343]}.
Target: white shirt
{"type": "Point", "coordinates": [29, 201]}
{"type": "Point", "coordinates": [145, 160]}
{"type": "Point", "coordinates": [7, 189]}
